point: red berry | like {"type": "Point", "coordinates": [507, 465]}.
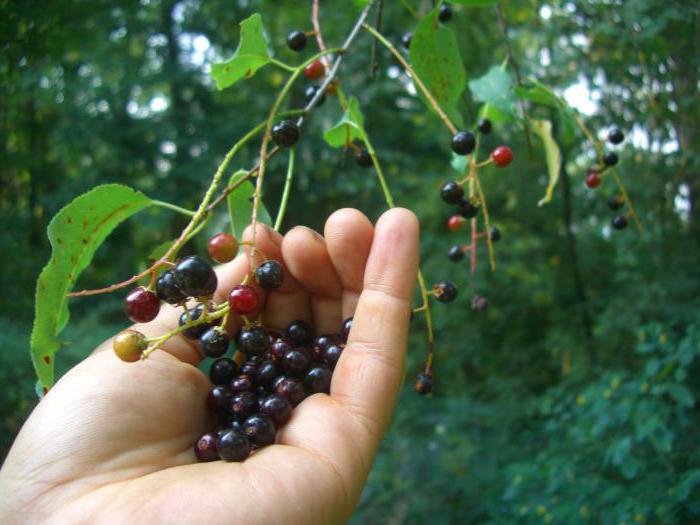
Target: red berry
{"type": "Point", "coordinates": [592, 179]}
{"type": "Point", "coordinates": [502, 156]}
{"type": "Point", "coordinates": [454, 223]}
{"type": "Point", "coordinates": [222, 247]}
{"type": "Point", "coordinates": [244, 299]}
{"type": "Point", "coordinates": [141, 305]}
{"type": "Point", "coordinates": [314, 70]}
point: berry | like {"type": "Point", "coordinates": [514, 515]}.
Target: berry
{"type": "Point", "coordinates": [445, 14]}
{"type": "Point", "coordinates": [292, 390]}
{"type": "Point", "coordinates": [259, 430]}
{"type": "Point", "coordinates": [445, 291]}
{"type": "Point", "coordinates": [424, 384]}
{"type": "Point", "coordinates": [616, 136]}
{"type": "Point", "coordinates": [195, 276]}
{"type": "Point", "coordinates": [332, 88]}
{"type": "Point", "coordinates": [267, 371]}
{"type": "Point", "coordinates": [277, 408]}
{"type": "Point", "coordinates": [141, 305]}
{"type": "Point", "coordinates": [167, 289]}
{"type": "Point", "coordinates": [463, 142]}
{"type": "Point", "coordinates": [300, 333]}
{"type": "Point", "coordinates": [451, 192]}
{"type": "Point", "coordinates": [222, 370]}
{"type": "Point", "coordinates": [345, 329]}
{"type": "Point", "coordinates": [244, 299]}
{"type": "Point", "coordinates": [592, 179]}
{"type": "Point", "coordinates": [196, 331]}
{"type": "Point", "coordinates": [495, 234]}
{"type": "Point", "coordinates": [243, 405]}
{"type": "Point", "coordinates": [205, 448]}
{"type": "Point", "coordinates": [619, 222]}
{"type": "Point", "coordinates": [280, 347]}
{"type": "Point", "coordinates": [610, 158]}
{"type": "Point", "coordinates": [455, 253]}
{"type": "Point", "coordinates": [502, 156]}
{"type": "Point", "coordinates": [249, 368]}
{"type": "Point", "coordinates": [222, 247]}
{"type": "Point", "coordinates": [296, 40]}
{"type": "Point", "coordinates": [454, 223]}
{"type": "Point", "coordinates": [269, 275]}
{"type": "Point", "coordinates": [616, 202]}
{"type": "Point", "coordinates": [363, 158]}
{"type": "Point", "coordinates": [332, 354]}
{"type": "Point", "coordinates": [310, 93]}
{"type": "Point", "coordinates": [219, 398]}
{"type": "Point", "coordinates": [214, 342]}
{"type": "Point", "coordinates": [479, 303]}
{"type": "Point", "coordinates": [253, 340]}
{"type": "Point", "coordinates": [285, 133]}
{"type": "Point", "coordinates": [484, 126]}
{"type": "Point", "coordinates": [314, 70]}
{"type": "Point", "coordinates": [296, 362]}
{"type": "Point", "coordinates": [406, 40]}
{"type": "Point", "coordinates": [233, 446]}
{"type": "Point", "coordinates": [241, 383]}
{"type": "Point", "coordinates": [467, 209]}
{"type": "Point", "coordinates": [128, 345]}
{"type": "Point", "coordinates": [318, 380]}
{"type": "Point", "coordinates": [324, 341]}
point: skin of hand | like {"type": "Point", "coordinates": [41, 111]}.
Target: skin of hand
{"type": "Point", "coordinates": [112, 442]}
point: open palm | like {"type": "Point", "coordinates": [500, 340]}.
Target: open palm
{"type": "Point", "coordinates": [112, 442]}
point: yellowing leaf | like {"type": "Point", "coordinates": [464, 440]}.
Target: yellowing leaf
{"type": "Point", "coordinates": [543, 128]}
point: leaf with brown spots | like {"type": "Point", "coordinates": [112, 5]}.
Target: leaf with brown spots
{"type": "Point", "coordinates": [75, 233]}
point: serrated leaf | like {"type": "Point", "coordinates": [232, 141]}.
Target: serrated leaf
{"type": "Point", "coordinates": [348, 128]}
{"type": "Point", "coordinates": [240, 206]}
{"type": "Point", "coordinates": [75, 233]}
{"type": "Point", "coordinates": [494, 88]}
{"type": "Point", "coordinates": [435, 58]}
{"type": "Point", "coordinates": [543, 128]}
{"type": "Point", "coordinates": [251, 55]}
{"type": "Point", "coordinates": [476, 3]}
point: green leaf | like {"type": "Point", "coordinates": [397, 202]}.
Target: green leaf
{"type": "Point", "coordinates": [459, 163]}
{"type": "Point", "coordinates": [476, 3]}
{"type": "Point", "coordinates": [348, 128]}
{"type": "Point", "coordinates": [436, 60]}
{"type": "Point", "coordinates": [540, 94]}
{"type": "Point", "coordinates": [75, 233]}
{"type": "Point", "coordinates": [495, 88]}
{"type": "Point", "coordinates": [495, 115]}
{"type": "Point", "coordinates": [543, 128]}
{"type": "Point", "coordinates": [251, 55]}
{"type": "Point", "coordinates": [240, 205]}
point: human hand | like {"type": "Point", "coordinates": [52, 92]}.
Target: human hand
{"type": "Point", "coordinates": [112, 441]}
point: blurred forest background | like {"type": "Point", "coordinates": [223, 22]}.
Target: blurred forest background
{"type": "Point", "coordinates": [573, 398]}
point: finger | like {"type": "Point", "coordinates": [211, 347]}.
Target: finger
{"type": "Point", "coordinates": [370, 370]}
{"type": "Point", "coordinates": [308, 261]}
{"type": "Point", "coordinates": [349, 235]}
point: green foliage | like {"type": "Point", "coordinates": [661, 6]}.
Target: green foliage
{"type": "Point", "coordinates": [75, 233]}
{"type": "Point", "coordinates": [494, 88]}
{"type": "Point", "coordinates": [476, 3]}
{"type": "Point", "coordinates": [349, 128]}
{"type": "Point", "coordinates": [240, 205]}
{"type": "Point", "coordinates": [251, 55]}
{"type": "Point", "coordinates": [543, 128]}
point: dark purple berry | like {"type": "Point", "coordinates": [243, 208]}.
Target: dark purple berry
{"type": "Point", "coordinates": [463, 142]}
{"type": "Point", "coordinates": [455, 253]}
{"type": "Point", "coordinates": [345, 329]}
{"type": "Point", "coordinates": [222, 370]}
{"type": "Point", "coordinates": [318, 380]}
{"type": "Point", "coordinates": [616, 202]}
{"type": "Point", "coordinates": [243, 404]}
{"type": "Point", "coordinates": [219, 398]}
{"type": "Point", "coordinates": [253, 340]}
{"type": "Point", "coordinates": [285, 133]}
{"type": "Point", "coordinates": [167, 289]}
{"type": "Point", "coordinates": [269, 275]}
{"type": "Point", "coordinates": [363, 158]}
{"type": "Point", "coordinates": [241, 383]}
{"type": "Point", "coordinates": [619, 222]}
{"type": "Point", "coordinates": [280, 347]}
{"type": "Point", "coordinates": [300, 333]}
{"type": "Point", "coordinates": [296, 40]}
{"type": "Point", "coordinates": [295, 362]}
{"type": "Point", "coordinates": [233, 446]}
{"type": "Point", "coordinates": [445, 291]}
{"type": "Point", "coordinates": [424, 384]}
{"type": "Point", "coordinates": [141, 305]}
{"type": "Point", "coordinates": [292, 389]}
{"type": "Point", "coordinates": [445, 14]}
{"type": "Point", "coordinates": [610, 158]}
{"type": "Point", "coordinates": [484, 126]}
{"type": "Point", "coordinates": [267, 371]}
{"type": "Point", "coordinates": [214, 342]}
{"type": "Point", "coordinates": [276, 407]}
{"type": "Point", "coordinates": [196, 331]}
{"type": "Point", "coordinates": [467, 209]}
{"type": "Point", "coordinates": [205, 448]}
{"type": "Point", "coordinates": [451, 192]}
{"type": "Point", "coordinates": [259, 430]}
{"type": "Point", "coordinates": [332, 354]}
{"type": "Point", "coordinates": [195, 276]}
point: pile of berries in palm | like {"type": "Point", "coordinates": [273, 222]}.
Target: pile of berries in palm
{"type": "Point", "coordinates": [253, 393]}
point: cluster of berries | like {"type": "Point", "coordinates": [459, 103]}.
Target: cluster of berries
{"type": "Point", "coordinates": [253, 400]}
{"type": "Point", "coordinates": [593, 178]}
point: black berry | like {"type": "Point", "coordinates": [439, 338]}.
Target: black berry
{"type": "Point", "coordinates": [233, 446]}
{"type": "Point", "coordinates": [363, 158]}
{"type": "Point", "coordinates": [310, 93]}
{"type": "Point", "coordinates": [318, 380]}
{"type": "Point", "coordinates": [205, 448]}
{"type": "Point", "coordinates": [345, 329]}
{"type": "Point", "coordinates": [291, 389]}
{"type": "Point", "coordinates": [616, 202]}
{"type": "Point", "coordinates": [296, 40]}
{"type": "Point", "coordinates": [219, 398]}
{"type": "Point", "coordinates": [610, 158]}
{"type": "Point", "coordinates": [484, 126]}
{"type": "Point", "coordinates": [243, 405]}
{"type": "Point", "coordinates": [222, 371]}
{"type": "Point", "coordinates": [616, 136]}
{"type": "Point", "coordinates": [495, 234]}
{"type": "Point", "coordinates": [267, 371]}
{"type": "Point", "coordinates": [467, 209]}
{"type": "Point", "coordinates": [241, 383]}
{"type": "Point", "coordinates": [300, 333]}
{"type": "Point", "coordinates": [424, 384]}
{"type": "Point", "coordinates": [253, 340]}
{"type": "Point", "coordinates": [332, 354]}
{"type": "Point", "coordinates": [619, 222]}
{"type": "Point", "coordinates": [259, 430]}
{"type": "Point", "coordinates": [406, 40]}
{"type": "Point", "coordinates": [167, 289]}
{"type": "Point", "coordinates": [451, 192]}
{"type": "Point", "coordinates": [269, 275]}
{"type": "Point", "coordinates": [296, 362]}
{"type": "Point", "coordinates": [445, 291]}
{"type": "Point", "coordinates": [196, 331]}
{"type": "Point", "coordinates": [455, 253]}
{"type": "Point", "coordinates": [285, 133]}
{"type": "Point", "coordinates": [445, 14]}
{"type": "Point", "coordinates": [276, 407]}
{"type": "Point", "coordinates": [463, 142]}
{"type": "Point", "coordinates": [195, 276]}
{"type": "Point", "coordinates": [214, 342]}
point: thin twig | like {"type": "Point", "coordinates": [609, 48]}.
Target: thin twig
{"type": "Point", "coordinates": [373, 64]}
